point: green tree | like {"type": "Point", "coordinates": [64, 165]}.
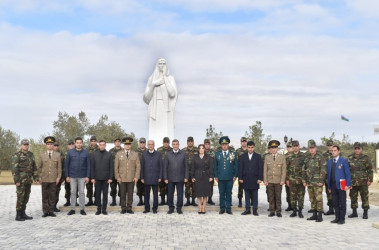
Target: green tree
{"type": "Point", "coordinates": [255, 134]}
{"type": "Point", "coordinates": [213, 136]}
{"type": "Point", "coordinates": [37, 147]}
{"type": "Point", "coordinates": [105, 130]}
{"type": "Point", "coordinates": [9, 144]}
{"type": "Point", "coordinates": [69, 127]}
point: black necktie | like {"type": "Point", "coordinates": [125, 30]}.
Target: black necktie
{"type": "Point", "coordinates": [127, 154]}
{"type": "Point", "coordinates": [49, 155]}
{"type": "Point", "coordinates": [274, 157]}
{"type": "Point", "coordinates": [224, 154]}
{"type": "Point", "coordinates": [334, 161]}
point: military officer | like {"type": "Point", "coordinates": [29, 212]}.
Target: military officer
{"type": "Point", "coordinates": [328, 155]}
{"type": "Point", "coordinates": [295, 162]}
{"type": "Point", "coordinates": [140, 186]}
{"type": "Point", "coordinates": [90, 192]}
{"type": "Point", "coordinates": [50, 173]}
{"type": "Point", "coordinates": [269, 151]}
{"type": "Point", "coordinates": [210, 152]}
{"type": "Point", "coordinates": [314, 174]}
{"type": "Point", "coordinates": [117, 148]}
{"type": "Point", "coordinates": [361, 178]}
{"type": "Point", "coordinates": [190, 151]}
{"type": "Point", "coordinates": [127, 171]}
{"type": "Point", "coordinates": [56, 149]}
{"type": "Point", "coordinates": [163, 188]}
{"type": "Point", "coordinates": [240, 151]}
{"type": "Point", "coordinates": [225, 172]}
{"type": "Point", "coordinates": [24, 171]}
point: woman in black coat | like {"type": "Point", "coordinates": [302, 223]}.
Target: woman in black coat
{"type": "Point", "coordinates": [202, 176]}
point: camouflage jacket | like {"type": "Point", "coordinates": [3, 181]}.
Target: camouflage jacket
{"type": "Point", "coordinates": [92, 149]}
{"type": "Point", "coordinates": [240, 152]}
{"type": "Point", "coordinates": [314, 169]}
{"type": "Point", "coordinates": [114, 151]}
{"type": "Point", "coordinates": [327, 156]}
{"type": "Point", "coordinates": [360, 169]}
{"type": "Point", "coordinates": [295, 164]}
{"type": "Point", "coordinates": [190, 154]}
{"type": "Point", "coordinates": [164, 151]}
{"type": "Point", "coordinates": [24, 168]}
{"type": "Point", "coordinates": [211, 153]}
{"type": "Point", "coordinates": [140, 152]}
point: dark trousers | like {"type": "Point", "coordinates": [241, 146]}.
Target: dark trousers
{"type": "Point", "coordinates": [339, 202]}
{"type": "Point", "coordinates": [225, 190]}
{"type": "Point", "coordinates": [101, 187]}
{"type": "Point", "coordinates": [147, 197]}
{"type": "Point", "coordinates": [275, 197]}
{"type": "Point", "coordinates": [179, 192]}
{"type": "Point", "coordinates": [240, 190]}
{"type": "Point", "coordinates": [251, 193]}
{"type": "Point", "coordinates": [126, 187]}
{"type": "Point", "coordinates": [48, 197]}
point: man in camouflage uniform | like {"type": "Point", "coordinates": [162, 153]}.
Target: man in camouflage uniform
{"type": "Point", "coordinates": [163, 188]}
{"type": "Point", "coordinates": [67, 187]}
{"type": "Point", "coordinates": [190, 151]}
{"type": "Point", "coordinates": [240, 151]}
{"type": "Point", "coordinates": [295, 162]}
{"type": "Point", "coordinates": [211, 153]}
{"type": "Point", "coordinates": [328, 155]}
{"type": "Point", "coordinates": [288, 193]}
{"type": "Point", "coordinates": [263, 159]}
{"type": "Point", "coordinates": [59, 185]}
{"type": "Point", "coordinates": [24, 171]}
{"type": "Point", "coordinates": [314, 174]}
{"type": "Point", "coordinates": [90, 193]}
{"type": "Point", "coordinates": [140, 186]}
{"type": "Point", "coordinates": [117, 147]}
{"type": "Point", "coordinates": [361, 178]}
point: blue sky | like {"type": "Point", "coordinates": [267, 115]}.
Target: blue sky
{"type": "Point", "coordinates": [294, 65]}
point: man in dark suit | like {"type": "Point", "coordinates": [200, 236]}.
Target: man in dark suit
{"type": "Point", "coordinates": [338, 169]}
{"type": "Point", "coordinates": [250, 176]}
{"type": "Point", "coordinates": [151, 175]}
{"type": "Point", "coordinates": [175, 174]}
{"type": "Point", "coordinates": [102, 174]}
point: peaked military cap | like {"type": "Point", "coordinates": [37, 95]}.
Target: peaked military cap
{"type": "Point", "coordinates": [127, 140]}
{"type": "Point", "coordinates": [243, 139]}
{"type": "Point", "coordinates": [142, 140]}
{"type": "Point", "coordinates": [311, 143]}
{"type": "Point", "coordinates": [24, 142]}
{"type": "Point", "coordinates": [273, 144]}
{"type": "Point", "coordinates": [224, 140]}
{"type": "Point", "coordinates": [49, 139]}
{"type": "Point", "coordinates": [207, 141]}
{"type": "Point", "coordinates": [166, 139]}
{"type": "Point", "coordinates": [295, 143]}
{"type": "Point", "coordinates": [357, 145]}
{"type": "Point", "coordinates": [190, 138]}
{"type": "Point", "coordinates": [93, 138]}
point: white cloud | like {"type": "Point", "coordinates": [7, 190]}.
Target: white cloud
{"type": "Point", "coordinates": [367, 8]}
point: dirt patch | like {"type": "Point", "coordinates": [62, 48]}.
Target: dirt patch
{"type": "Point", "coordinates": [374, 194]}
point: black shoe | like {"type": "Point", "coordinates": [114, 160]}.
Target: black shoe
{"type": "Point", "coordinates": [90, 203]}
{"type": "Point", "coordinates": [45, 215]}
{"type": "Point", "coordinates": [129, 211]}
{"type": "Point", "coordinates": [311, 211]}
{"type": "Point", "coordinates": [279, 214]}
{"type": "Point", "coordinates": [289, 208]}
{"type": "Point", "coordinates": [71, 212]}
{"type": "Point", "coordinates": [330, 211]}
{"type": "Point", "coordinates": [313, 217]}
{"type": "Point", "coordinates": [239, 202]}
{"type": "Point", "coordinates": [229, 211]}
{"type": "Point", "coordinates": [82, 212]}
{"type": "Point", "coordinates": [170, 211]}
{"type": "Point", "coordinates": [188, 203]}
{"type": "Point", "coordinates": [255, 213]}
{"type": "Point", "coordinates": [210, 202]}
{"type": "Point", "coordinates": [354, 214]}
{"type": "Point", "coordinates": [140, 203]}
{"type": "Point", "coordinates": [67, 203]}
{"type": "Point", "coordinates": [25, 216]}
{"type": "Point", "coordinates": [179, 211]}
{"type": "Point", "coordinates": [341, 222]}
{"type": "Point", "coordinates": [272, 214]}
{"type": "Point", "coordinates": [56, 210]}
{"type": "Point", "coordinates": [105, 212]}
{"type": "Point", "coordinates": [319, 217]}
{"type": "Point", "coordinates": [246, 212]}
{"type": "Point", "coordinates": [294, 213]}
{"type": "Point", "coordinates": [365, 215]}
{"type": "Point", "coordinates": [222, 211]}
{"type": "Point", "coordinates": [146, 211]}
{"type": "Point", "coordinates": [193, 203]}
{"type": "Point", "coordinates": [336, 220]}
{"type": "Point", "coordinates": [52, 214]}
{"type": "Point", "coordinates": [123, 211]}
{"type": "Point", "coordinates": [301, 213]}
{"type": "Point", "coordinates": [19, 216]}
{"type": "Point", "coordinates": [155, 211]}
{"type": "Point", "coordinates": [268, 210]}
{"type": "Point", "coordinates": [199, 212]}
{"type": "Point", "coordinates": [113, 202]}
{"type": "Point", "coordinates": [98, 212]}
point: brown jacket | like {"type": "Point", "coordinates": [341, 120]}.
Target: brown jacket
{"type": "Point", "coordinates": [50, 170]}
{"type": "Point", "coordinates": [275, 171]}
{"type": "Point", "coordinates": [127, 168]}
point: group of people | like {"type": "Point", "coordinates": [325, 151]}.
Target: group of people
{"type": "Point", "coordinates": [196, 168]}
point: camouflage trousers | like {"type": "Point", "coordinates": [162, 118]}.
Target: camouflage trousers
{"type": "Point", "coordinates": [23, 194]}
{"type": "Point", "coordinates": [163, 188]}
{"type": "Point", "coordinates": [297, 192]}
{"type": "Point", "coordinates": [315, 197]}
{"type": "Point", "coordinates": [114, 185]}
{"type": "Point", "coordinates": [240, 190]}
{"type": "Point", "coordinates": [140, 188]}
{"type": "Point", "coordinates": [90, 192]}
{"type": "Point", "coordinates": [328, 195]}
{"type": "Point", "coordinates": [363, 190]}
{"type": "Point", "coordinates": [288, 194]}
{"type": "Point", "coordinates": [190, 191]}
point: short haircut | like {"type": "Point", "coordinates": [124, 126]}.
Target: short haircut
{"type": "Point", "coordinates": [175, 140]}
{"type": "Point", "coordinates": [250, 143]}
{"type": "Point", "coordinates": [338, 148]}
{"type": "Point", "coordinates": [151, 141]}
{"type": "Point", "coordinates": [102, 141]}
{"type": "Point", "coordinates": [78, 139]}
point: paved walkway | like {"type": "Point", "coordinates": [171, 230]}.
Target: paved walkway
{"type": "Point", "coordinates": [187, 231]}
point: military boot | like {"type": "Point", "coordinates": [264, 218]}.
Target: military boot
{"type": "Point", "coordinates": [68, 203]}
{"type": "Point", "coordinates": [162, 201]}
{"type": "Point", "coordinates": [187, 203]}
{"type": "Point", "coordinates": [289, 208]}
{"type": "Point", "coordinates": [365, 216]}
{"type": "Point", "coordinates": [313, 217]}
{"type": "Point", "coordinates": [90, 203]}
{"type": "Point", "coordinates": [140, 203]}
{"type": "Point", "coordinates": [193, 202]}
{"type": "Point", "coordinates": [113, 201]}
{"type": "Point", "coordinates": [239, 202]}
{"type": "Point", "coordinates": [19, 216]}
{"type": "Point", "coordinates": [294, 213]}
{"type": "Point", "coordinates": [311, 211]}
{"type": "Point", "coordinates": [319, 217]}
{"type": "Point", "coordinates": [354, 214]}
{"type": "Point", "coordinates": [23, 214]}
{"type": "Point", "coordinates": [210, 202]}
{"type": "Point", "coordinates": [300, 213]}
{"type": "Point", "coordinates": [330, 211]}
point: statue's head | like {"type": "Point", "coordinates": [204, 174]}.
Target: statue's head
{"type": "Point", "coordinates": [162, 66]}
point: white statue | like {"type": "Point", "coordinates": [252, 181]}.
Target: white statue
{"type": "Point", "coordinates": [161, 95]}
